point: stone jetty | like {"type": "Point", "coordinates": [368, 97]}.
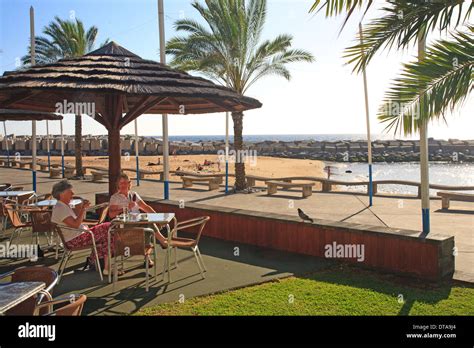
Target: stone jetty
{"type": "Point", "coordinates": [452, 150]}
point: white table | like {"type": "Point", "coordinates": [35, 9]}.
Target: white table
{"type": "Point", "coordinates": [153, 220]}
{"type": "Point", "coordinates": [15, 193]}
{"type": "Point", "coordinates": [53, 202]}
{"type": "Point", "coordinates": [12, 294]}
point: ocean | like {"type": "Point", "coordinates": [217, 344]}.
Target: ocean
{"type": "Point", "coordinates": [455, 174]}
{"type": "Point", "coordinates": [280, 137]}
{"type": "Point", "coordinates": [459, 174]}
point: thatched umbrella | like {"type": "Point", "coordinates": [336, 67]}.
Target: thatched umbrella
{"type": "Point", "coordinates": [118, 86]}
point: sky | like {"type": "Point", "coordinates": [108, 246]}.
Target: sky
{"type": "Point", "coordinates": [323, 97]}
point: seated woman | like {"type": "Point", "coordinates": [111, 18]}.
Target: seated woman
{"type": "Point", "coordinates": [64, 215]}
{"type": "Point", "coordinates": [124, 198]}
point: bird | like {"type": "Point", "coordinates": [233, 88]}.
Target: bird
{"type": "Point", "coordinates": [303, 216]}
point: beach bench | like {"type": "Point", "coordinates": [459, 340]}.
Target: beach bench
{"type": "Point", "coordinates": [251, 179]}
{"type": "Point", "coordinates": [24, 164]}
{"type": "Point", "coordinates": [447, 197]}
{"type": "Point", "coordinates": [213, 182]}
{"type": "Point", "coordinates": [97, 176]}
{"type": "Point", "coordinates": [43, 166]}
{"type": "Point", "coordinates": [272, 187]}
{"type": "Point", "coordinates": [54, 172]}
{"type": "Point", "coordinates": [218, 176]}
{"type": "Point", "coordinates": [69, 172]}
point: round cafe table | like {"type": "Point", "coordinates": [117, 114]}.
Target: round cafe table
{"type": "Point", "coordinates": [52, 203]}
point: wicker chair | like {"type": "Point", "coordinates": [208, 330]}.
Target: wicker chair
{"type": "Point", "coordinates": [69, 251]}
{"type": "Point", "coordinates": [186, 243]}
{"type": "Point", "coordinates": [33, 274]}
{"type": "Point", "coordinates": [131, 242]}
{"type": "Point", "coordinates": [3, 212]}
{"type": "Point", "coordinates": [104, 211]}
{"type": "Point", "coordinates": [15, 220]}
{"type": "Point", "coordinates": [74, 306]}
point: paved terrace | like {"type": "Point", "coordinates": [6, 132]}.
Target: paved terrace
{"type": "Point", "coordinates": [392, 211]}
{"type": "Point", "coordinates": [257, 265]}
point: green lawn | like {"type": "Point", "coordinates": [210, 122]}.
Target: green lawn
{"type": "Point", "coordinates": [331, 292]}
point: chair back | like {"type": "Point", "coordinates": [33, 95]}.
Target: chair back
{"type": "Point", "coordinates": [13, 215]}
{"type": "Point", "coordinates": [58, 230]}
{"type": "Point", "coordinates": [73, 308]}
{"type": "Point", "coordinates": [199, 223]}
{"type": "Point", "coordinates": [5, 187]}
{"type": "Point", "coordinates": [41, 220]}
{"type": "Point", "coordinates": [33, 274]}
{"type": "Point", "coordinates": [15, 188]}
{"type": "Point", "coordinates": [103, 215]}
{"type": "Point", "coordinates": [129, 241]}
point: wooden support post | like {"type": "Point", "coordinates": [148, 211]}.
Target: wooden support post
{"type": "Point", "coordinates": [114, 159]}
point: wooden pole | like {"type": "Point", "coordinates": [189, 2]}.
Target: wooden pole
{"type": "Point", "coordinates": [367, 119]}
{"type": "Point", "coordinates": [226, 152]}
{"type": "Point", "coordinates": [62, 147]}
{"type": "Point", "coordinates": [6, 143]}
{"type": "Point", "coordinates": [33, 124]}
{"type": "Point", "coordinates": [47, 145]}
{"type": "Point", "coordinates": [424, 153]}
{"type": "Point", "coordinates": [114, 106]}
{"type": "Point", "coordinates": [166, 163]}
{"type": "Point", "coordinates": [114, 158]}
{"type": "Point", "coordinates": [137, 155]}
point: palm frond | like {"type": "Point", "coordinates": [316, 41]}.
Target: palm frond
{"type": "Point", "coordinates": [402, 22]}
{"type": "Point", "coordinates": [427, 89]}
{"type": "Point", "coordinates": [62, 39]}
{"type": "Point", "coordinates": [337, 7]}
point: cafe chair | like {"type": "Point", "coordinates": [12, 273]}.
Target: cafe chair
{"type": "Point", "coordinates": [175, 242]}
{"type": "Point", "coordinates": [68, 251]}
{"type": "Point", "coordinates": [3, 212]}
{"type": "Point", "coordinates": [131, 242]}
{"type": "Point", "coordinates": [5, 187]}
{"type": "Point", "coordinates": [41, 223]}
{"type": "Point", "coordinates": [74, 303]}
{"type": "Point", "coordinates": [104, 211]}
{"type": "Point", "coordinates": [33, 274]}
{"type": "Point", "coordinates": [15, 188]}
{"type": "Point", "coordinates": [15, 220]}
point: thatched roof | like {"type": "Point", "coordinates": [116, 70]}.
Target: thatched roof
{"type": "Point", "coordinates": [23, 115]}
{"type": "Point", "coordinates": [113, 70]}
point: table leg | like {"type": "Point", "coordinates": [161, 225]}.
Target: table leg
{"type": "Point", "coordinates": [168, 250]}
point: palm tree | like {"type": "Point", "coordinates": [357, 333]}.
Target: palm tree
{"type": "Point", "coordinates": [65, 39]}
{"type": "Point", "coordinates": [230, 50]}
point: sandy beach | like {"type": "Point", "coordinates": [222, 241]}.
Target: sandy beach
{"type": "Point", "coordinates": [263, 166]}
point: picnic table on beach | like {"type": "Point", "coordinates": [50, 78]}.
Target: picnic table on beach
{"type": "Point", "coordinates": [12, 294]}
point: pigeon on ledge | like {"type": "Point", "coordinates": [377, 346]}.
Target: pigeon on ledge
{"type": "Point", "coordinates": [303, 216]}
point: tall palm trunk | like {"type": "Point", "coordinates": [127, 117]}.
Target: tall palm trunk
{"type": "Point", "coordinates": [240, 183]}
{"type": "Point", "coordinates": [78, 146]}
